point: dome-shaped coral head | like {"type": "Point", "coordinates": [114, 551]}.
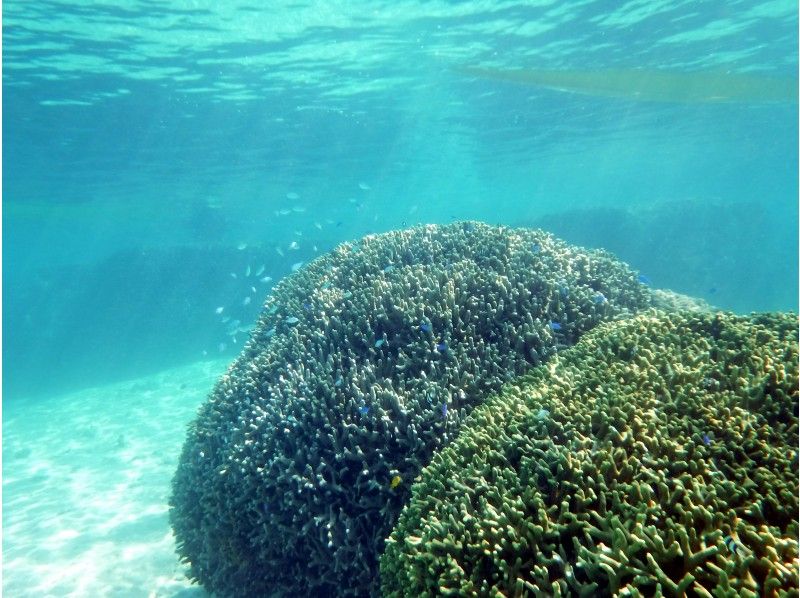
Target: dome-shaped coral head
{"type": "Point", "coordinates": [657, 457]}
{"type": "Point", "coordinates": [362, 364]}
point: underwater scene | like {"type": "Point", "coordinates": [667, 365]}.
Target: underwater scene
{"type": "Point", "coordinates": [481, 298]}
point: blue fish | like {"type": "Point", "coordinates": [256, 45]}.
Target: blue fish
{"type": "Point", "coordinates": [291, 320]}
{"type": "Point", "coordinates": [444, 409]}
{"type": "Point", "coordinates": [644, 280]}
{"type": "Point", "coordinates": [536, 248]}
{"type": "Point", "coordinates": [731, 544]}
{"type": "Point", "coordinates": [425, 327]}
{"type": "Point", "coordinates": [706, 439]}
{"type": "Point", "coordinates": [307, 306]}
{"type": "Point", "coordinates": [554, 326]}
{"type": "Point", "coordinates": [379, 343]}
{"type": "Point", "coordinates": [441, 347]}
{"type": "Point", "coordinates": [363, 410]}
{"type": "Point", "coordinates": [599, 298]}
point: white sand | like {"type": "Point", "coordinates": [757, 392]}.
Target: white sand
{"type": "Point", "coordinates": [86, 481]}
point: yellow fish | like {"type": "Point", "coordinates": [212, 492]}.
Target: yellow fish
{"type": "Point", "coordinates": [396, 481]}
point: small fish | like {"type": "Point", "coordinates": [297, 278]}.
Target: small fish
{"type": "Point", "coordinates": [291, 320]}
{"type": "Point", "coordinates": [273, 309]}
{"type": "Point", "coordinates": [253, 290]}
{"type": "Point", "coordinates": [233, 275]}
{"type": "Point", "coordinates": [226, 319]}
{"type": "Point", "coordinates": [271, 332]}
{"type": "Point", "coordinates": [294, 245]}
{"type": "Point", "coordinates": [221, 347]}
{"type": "Point", "coordinates": [260, 270]}
{"type": "Point", "coordinates": [388, 269]}
{"type": "Point", "coordinates": [280, 251]}
{"type": "Point", "coordinates": [298, 233]}
{"type": "Point", "coordinates": [441, 347]}
{"type": "Point", "coordinates": [706, 439]}
{"type": "Point", "coordinates": [239, 329]}
{"type": "Point", "coordinates": [283, 212]}
{"type": "Point", "coordinates": [296, 266]}
{"type": "Point", "coordinates": [443, 407]}
{"type": "Point", "coordinates": [425, 327]}
{"type": "Point", "coordinates": [396, 481]}
{"type": "Point", "coordinates": [339, 382]}
{"type": "Point", "coordinates": [379, 343]}
{"type": "Point", "coordinates": [318, 225]}
{"type": "Point", "coordinates": [347, 295]}
{"type": "Point", "coordinates": [599, 298]}
{"type": "Point", "coordinates": [219, 310]}
{"type": "Point", "coordinates": [307, 306]}
{"type": "Point", "coordinates": [564, 290]}
{"type": "Point", "coordinates": [542, 414]}
{"type": "Point", "coordinates": [247, 300]}
{"type": "Point", "coordinates": [298, 209]}
{"type": "Point", "coordinates": [730, 543]}
{"type": "Point", "coordinates": [247, 271]}
{"type": "Point", "coordinates": [363, 410]}
{"type": "Point", "coordinates": [554, 326]}
{"type": "Point", "coordinates": [364, 187]}
{"type": "Point", "coordinates": [292, 195]}
{"type": "Point", "coordinates": [241, 246]}
{"type": "Point", "coordinates": [644, 280]}
{"type": "Point", "coordinates": [536, 248]}
{"type": "Point", "coordinates": [266, 279]}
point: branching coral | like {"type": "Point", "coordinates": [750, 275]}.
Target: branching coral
{"type": "Point", "coordinates": [658, 457]}
{"type": "Point", "coordinates": [362, 365]}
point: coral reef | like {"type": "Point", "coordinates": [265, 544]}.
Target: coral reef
{"type": "Point", "coordinates": [669, 300]}
{"type": "Point", "coordinates": [362, 364]}
{"type": "Point", "coordinates": [657, 457]}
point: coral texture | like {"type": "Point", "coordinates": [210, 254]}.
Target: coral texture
{"type": "Point", "coordinates": [361, 365]}
{"type": "Point", "coordinates": [657, 457]}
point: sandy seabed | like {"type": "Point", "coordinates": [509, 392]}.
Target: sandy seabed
{"type": "Point", "coordinates": [86, 481]}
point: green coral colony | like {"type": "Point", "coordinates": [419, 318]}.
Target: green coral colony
{"type": "Point", "coordinates": [656, 456]}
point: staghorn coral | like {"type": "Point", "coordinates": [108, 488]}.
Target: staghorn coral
{"type": "Point", "coordinates": [362, 365]}
{"type": "Point", "coordinates": [657, 457]}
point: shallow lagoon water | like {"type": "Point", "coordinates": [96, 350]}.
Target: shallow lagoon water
{"type": "Point", "coordinates": [164, 160]}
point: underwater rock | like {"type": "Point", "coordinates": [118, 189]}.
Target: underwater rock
{"type": "Point", "coordinates": [362, 364]}
{"type": "Point", "coordinates": [657, 457]}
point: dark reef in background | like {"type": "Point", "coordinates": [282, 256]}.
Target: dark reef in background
{"type": "Point", "coordinates": [705, 249]}
{"type": "Point", "coordinates": [135, 312]}
{"type": "Point", "coordinates": [140, 311]}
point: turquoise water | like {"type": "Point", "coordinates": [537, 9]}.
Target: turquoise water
{"type": "Point", "coordinates": [153, 150]}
